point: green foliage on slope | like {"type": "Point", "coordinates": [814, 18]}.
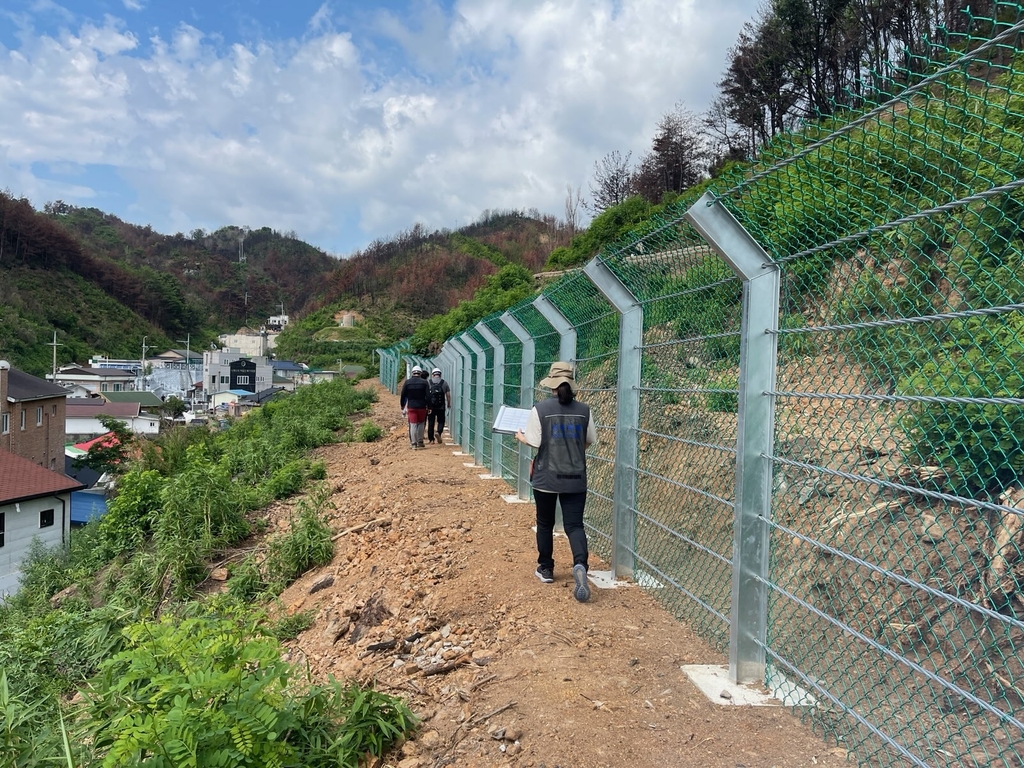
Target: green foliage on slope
{"type": "Point", "coordinates": [150, 653]}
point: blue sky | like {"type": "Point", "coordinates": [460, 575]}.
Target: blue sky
{"type": "Point", "coordinates": [341, 121]}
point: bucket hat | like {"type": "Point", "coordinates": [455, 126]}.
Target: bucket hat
{"type": "Point", "coordinates": [559, 373]}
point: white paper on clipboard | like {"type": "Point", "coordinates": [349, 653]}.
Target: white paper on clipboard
{"type": "Point", "coordinates": [510, 420]}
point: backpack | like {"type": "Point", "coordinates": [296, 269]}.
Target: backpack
{"type": "Point", "coordinates": [435, 397]}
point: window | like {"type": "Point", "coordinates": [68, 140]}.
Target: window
{"type": "Point", "coordinates": [223, 379]}
{"type": "Point", "coordinates": [117, 386]}
{"type": "Point", "coordinates": [39, 415]}
{"type": "Point", "coordinates": [103, 387]}
{"type": "Point", "coordinates": [5, 424]}
{"type": "Point", "coordinates": [46, 518]}
{"type": "Point", "coordinates": [53, 410]}
{"type": "Point", "coordinates": [53, 464]}
{"type": "Point", "coordinates": [1, 529]}
{"type": "Point", "coordinates": [23, 418]}
{"type": "Point", "coordinates": [243, 379]}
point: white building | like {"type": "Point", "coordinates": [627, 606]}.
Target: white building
{"type": "Point", "coordinates": [219, 375]}
{"type": "Point", "coordinates": [93, 381]}
{"type": "Point", "coordinates": [247, 341]}
{"type": "Point", "coordinates": [35, 503]}
{"type": "Point", "coordinates": [83, 417]}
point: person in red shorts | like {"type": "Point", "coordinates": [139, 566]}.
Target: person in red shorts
{"type": "Point", "coordinates": [413, 400]}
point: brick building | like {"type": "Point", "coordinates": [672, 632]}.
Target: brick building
{"type": "Point", "coordinates": [32, 415]}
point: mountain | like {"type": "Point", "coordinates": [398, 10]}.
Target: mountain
{"type": "Point", "coordinates": [104, 285]}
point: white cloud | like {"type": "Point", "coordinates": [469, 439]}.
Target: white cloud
{"type": "Point", "coordinates": [432, 117]}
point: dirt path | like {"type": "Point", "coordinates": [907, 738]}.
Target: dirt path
{"type": "Point", "coordinates": [432, 594]}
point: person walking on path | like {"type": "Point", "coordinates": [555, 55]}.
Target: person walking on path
{"type": "Point", "coordinates": [439, 399]}
{"type": "Point", "coordinates": [560, 428]}
{"type": "Point", "coordinates": [413, 401]}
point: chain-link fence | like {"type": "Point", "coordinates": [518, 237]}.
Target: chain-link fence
{"type": "Point", "coordinates": [808, 386]}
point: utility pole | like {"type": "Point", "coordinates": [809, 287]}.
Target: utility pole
{"type": "Point", "coordinates": [54, 344]}
{"type": "Point", "coordinates": [188, 367]}
{"type": "Point", "coordinates": [142, 366]}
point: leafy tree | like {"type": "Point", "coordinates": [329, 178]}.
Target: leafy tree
{"type": "Point", "coordinates": [612, 181]}
{"type": "Point", "coordinates": [677, 160]}
{"type": "Point", "coordinates": [111, 453]}
{"type": "Point", "coordinates": [173, 407]}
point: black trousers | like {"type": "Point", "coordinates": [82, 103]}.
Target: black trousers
{"type": "Point", "coordinates": [438, 416]}
{"type": "Point", "coordinates": [572, 518]}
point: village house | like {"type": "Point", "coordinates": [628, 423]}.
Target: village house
{"type": "Point", "coordinates": [32, 414]}
{"type": "Point", "coordinates": [83, 418]}
{"type": "Point", "coordinates": [35, 503]}
{"type": "Point", "coordinates": [81, 381]}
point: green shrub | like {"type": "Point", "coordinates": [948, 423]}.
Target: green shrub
{"type": "Point", "coordinates": [795, 345]}
{"type": "Point", "coordinates": [131, 515]}
{"type": "Point", "coordinates": [306, 545]}
{"type": "Point", "coordinates": [726, 398]}
{"type": "Point", "coordinates": [289, 627]}
{"type": "Point", "coordinates": [369, 432]}
{"type": "Point", "coordinates": [203, 691]}
{"type": "Point", "coordinates": [980, 444]}
{"type": "Point", "coordinates": [246, 582]}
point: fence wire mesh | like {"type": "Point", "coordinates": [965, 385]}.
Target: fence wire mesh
{"type": "Point", "coordinates": [596, 323]}
{"type": "Point", "coordinates": [895, 503]}
{"type": "Point", "coordinates": [511, 394]}
{"type": "Point", "coordinates": [688, 417]}
{"type": "Point", "coordinates": [896, 513]}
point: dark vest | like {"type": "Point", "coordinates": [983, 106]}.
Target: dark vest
{"type": "Point", "coordinates": [561, 463]}
{"type": "Point", "coordinates": [414, 392]}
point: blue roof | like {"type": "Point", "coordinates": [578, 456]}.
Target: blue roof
{"type": "Point", "coordinates": [240, 392]}
{"type": "Point", "coordinates": [285, 365]}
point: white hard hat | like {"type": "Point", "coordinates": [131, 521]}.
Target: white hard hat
{"type": "Point", "coordinates": [417, 369]}
{"type": "Point", "coordinates": [436, 370]}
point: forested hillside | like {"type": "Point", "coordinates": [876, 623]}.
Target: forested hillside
{"type": "Point", "coordinates": [103, 285]}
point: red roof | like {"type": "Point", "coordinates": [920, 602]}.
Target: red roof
{"type": "Point", "coordinates": [20, 479]}
{"type": "Point", "coordinates": [103, 441]}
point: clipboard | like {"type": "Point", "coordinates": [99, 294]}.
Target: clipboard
{"type": "Point", "coordinates": [510, 420]}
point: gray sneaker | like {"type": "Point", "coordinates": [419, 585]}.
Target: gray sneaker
{"type": "Point", "coordinates": [582, 590]}
{"type": "Point", "coordinates": [545, 574]}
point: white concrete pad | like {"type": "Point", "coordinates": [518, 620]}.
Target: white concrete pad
{"type": "Point", "coordinates": [471, 465]}
{"type": "Point", "coordinates": [460, 453]}
{"type": "Point", "coordinates": [512, 498]}
{"type": "Point", "coordinates": [646, 580]}
{"type": "Point", "coordinates": [713, 681]}
{"type": "Point", "coordinates": [605, 580]}
{"type": "Point", "coordinates": [491, 477]}
{"type": "Point", "coordinates": [786, 691]}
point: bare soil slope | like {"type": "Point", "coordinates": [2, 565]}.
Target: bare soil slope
{"type": "Point", "coordinates": [432, 595]}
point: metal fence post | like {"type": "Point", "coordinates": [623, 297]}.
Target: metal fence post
{"type": "Point", "coordinates": [526, 382]}
{"type": "Point", "coordinates": [566, 330]}
{"type": "Point", "coordinates": [477, 449]}
{"type": "Point", "coordinates": [466, 411]}
{"type": "Point", "coordinates": [756, 432]}
{"type": "Point", "coordinates": [458, 389]}
{"type": "Point", "coordinates": [498, 390]}
{"type": "Point", "coordinates": [627, 413]}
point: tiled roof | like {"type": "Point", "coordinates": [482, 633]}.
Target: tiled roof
{"type": "Point", "coordinates": [92, 407]}
{"type": "Point", "coordinates": [140, 396]}
{"type": "Point", "coordinates": [21, 479]}
{"type": "Point", "coordinates": [25, 386]}
{"type": "Point", "coordinates": [78, 370]}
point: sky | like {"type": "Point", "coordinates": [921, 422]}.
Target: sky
{"type": "Point", "coordinates": [346, 121]}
